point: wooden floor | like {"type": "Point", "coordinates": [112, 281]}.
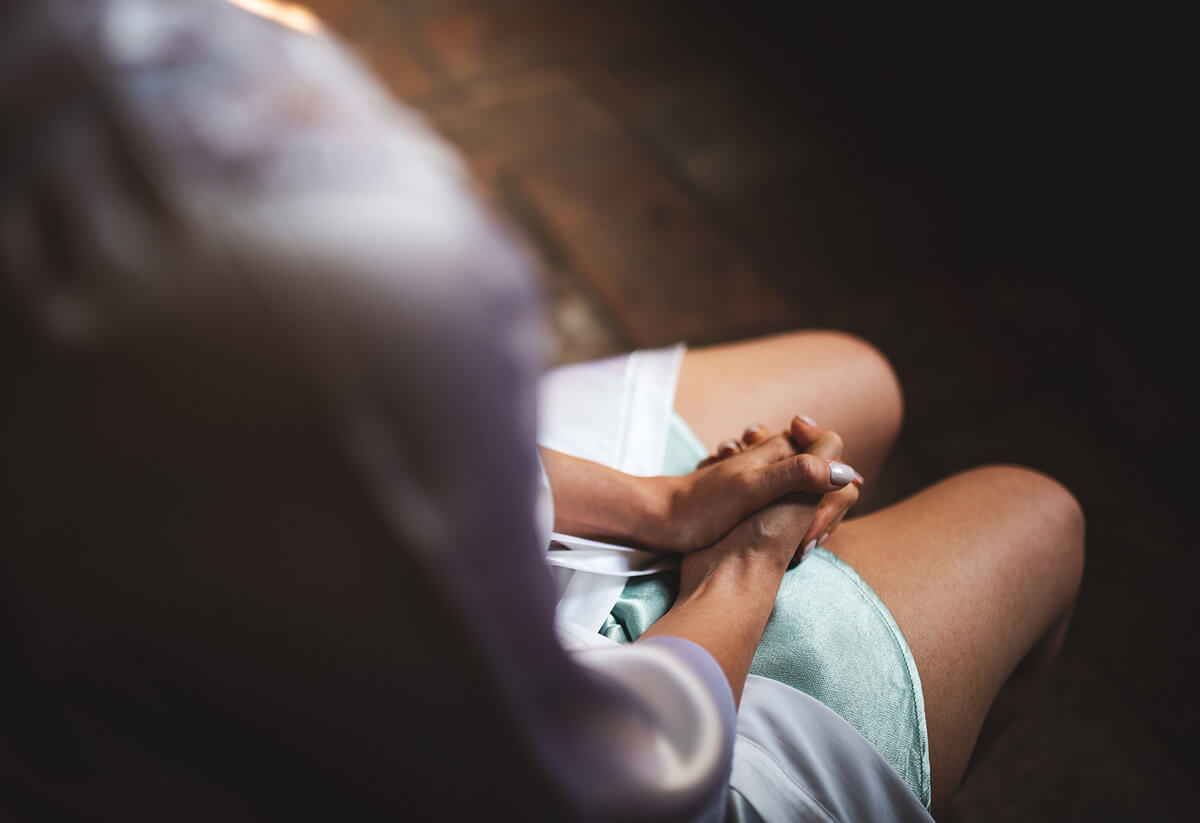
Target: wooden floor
{"type": "Point", "coordinates": [671, 193]}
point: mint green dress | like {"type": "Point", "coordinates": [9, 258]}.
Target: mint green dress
{"type": "Point", "coordinates": [829, 636]}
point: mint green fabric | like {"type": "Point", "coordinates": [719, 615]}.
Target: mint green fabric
{"type": "Point", "coordinates": [684, 450]}
{"type": "Point", "coordinates": [829, 636]}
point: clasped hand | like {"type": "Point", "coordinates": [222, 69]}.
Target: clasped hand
{"type": "Point", "coordinates": [746, 476]}
{"type": "Point", "coordinates": [693, 512]}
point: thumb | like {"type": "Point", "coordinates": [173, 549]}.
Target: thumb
{"type": "Point", "coordinates": [804, 473]}
{"type": "Point", "coordinates": [811, 438]}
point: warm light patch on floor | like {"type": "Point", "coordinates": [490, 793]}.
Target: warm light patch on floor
{"type": "Point", "coordinates": [289, 14]}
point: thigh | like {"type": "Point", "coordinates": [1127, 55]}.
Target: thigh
{"type": "Point", "coordinates": [840, 381]}
{"type": "Point", "coordinates": [976, 570]}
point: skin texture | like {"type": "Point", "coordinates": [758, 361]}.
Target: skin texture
{"type": "Point", "coordinates": [979, 570]}
{"type": "Point", "coordinates": [840, 381]}
{"type": "Point", "coordinates": [727, 591]}
{"type": "Point", "coordinates": [682, 514]}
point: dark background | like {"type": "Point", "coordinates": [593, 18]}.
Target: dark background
{"type": "Point", "coordinates": [991, 195]}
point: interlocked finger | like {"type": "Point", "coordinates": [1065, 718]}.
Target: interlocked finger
{"type": "Point", "coordinates": [832, 509]}
{"type": "Point", "coordinates": [755, 434]}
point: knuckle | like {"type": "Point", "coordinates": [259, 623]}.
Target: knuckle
{"type": "Point", "coordinates": [778, 446]}
{"type": "Point", "coordinates": [809, 471]}
{"type": "Point", "coordinates": [743, 482]}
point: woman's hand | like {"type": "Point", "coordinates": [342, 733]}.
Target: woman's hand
{"type": "Point", "coordinates": [727, 591]}
{"type": "Point", "coordinates": [768, 538]}
{"type": "Point", "coordinates": [704, 505]}
{"type": "Point", "coordinates": [811, 438]}
{"type": "Point", "coordinates": [682, 514]}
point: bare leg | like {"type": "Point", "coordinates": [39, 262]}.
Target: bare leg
{"type": "Point", "coordinates": [980, 571]}
{"type": "Point", "coordinates": [840, 381]}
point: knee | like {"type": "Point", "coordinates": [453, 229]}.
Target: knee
{"type": "Point", "coordinates": [1055, 525]}
{"type": "Point", "coordinates": [863, 366]}
{"type": "Point", "coordinates": [872, 370]}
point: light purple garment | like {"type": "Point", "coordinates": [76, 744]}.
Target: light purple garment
{"type": "Point", "coordinates": [267, 466]}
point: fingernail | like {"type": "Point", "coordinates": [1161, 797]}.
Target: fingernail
{"type": "Point", "coordinates": [808, 547]}
{"type": "Point", "coordinates": [859, 479]}
{"type": "Point", "coordinates": [728, 445]}
{"type": "Point", "coordinates": [822, 539]}
{"type": "Point", "coordinates": [840, 474]}
{"type": "Point", "coordinates": [807, 419]}
{"type": "Point", "coordinates": [754, 428]}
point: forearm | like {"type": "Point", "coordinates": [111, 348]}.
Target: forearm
{"type": "Point", "coordinates": [726, 610]}
{"type": "Point", "coordinates": [592, 500]}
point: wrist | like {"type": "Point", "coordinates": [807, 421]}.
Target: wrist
{"type": "Point", "coordinates": [593, 500]}
{"type": "Point", "coordinates": [654, 523]}
{"type": "Point", "coordinates": [719, 570]}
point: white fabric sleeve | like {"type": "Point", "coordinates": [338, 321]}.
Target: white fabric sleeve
{"type": "Point", "coordinates": [676, 741]}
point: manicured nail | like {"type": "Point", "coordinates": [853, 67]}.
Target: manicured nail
{"type": "Point", "coordinates": [807, 419]}
{"type": "Point", "coordinates": [727, 446]}
{"type": "Point", "coordinates": [859, 479]}
{"type": "Point", "coordinates": [840, 474]}
{"type": "Point", "coordinates": [753, 428]}
{"type": "Point", "coordinates": [808, 547]}
{"type": "Point", "coordinates": [822, 539]}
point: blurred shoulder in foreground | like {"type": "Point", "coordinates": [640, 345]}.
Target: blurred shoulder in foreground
{"type": "Point", "coordinates": [267, 467]}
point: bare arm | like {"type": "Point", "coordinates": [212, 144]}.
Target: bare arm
{"type": "Point", "coordinates": [727, 591]}
{"type": "Point", "coordinates": [592, 500]}
{"type": "Point", "coordinates": [684, 513]}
